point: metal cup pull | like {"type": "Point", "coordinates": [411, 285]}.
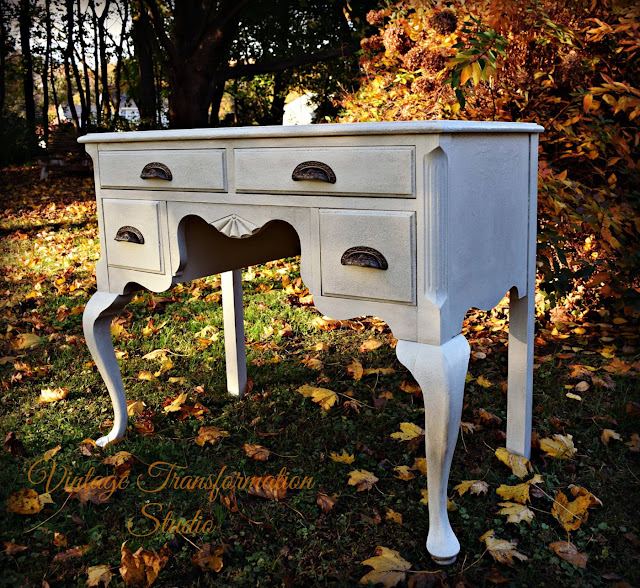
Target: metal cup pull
{"type": "Point", "coordinates": [130, 235]}
{"type": "Point", "coordinates": [364, 257]}
{"type": "Point", "coordinates": [157, 171]}
{"type": "Point", "coordinates": [314, 170]}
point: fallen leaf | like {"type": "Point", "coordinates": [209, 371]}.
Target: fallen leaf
{"type": "Point", "coordinates": [501, 550]}
{"type": "Point", "coordinates": [325, 323]}
{"type": "Point", "coordinates": [571, 514]}
{"type": "Point", "coordinates": [77, 551]}
{"type": "Point", "coordinates": [24, 502]}
{"type": "Point", "coordinates": [257, 452]}
{"type": "Point", "coordinates": [633, 409]}
{"type": "Point", "coordinates": [322, 346]}
{"type": "Point", "coordinates": [98, 575]}
{"type": "Point", "coordinates": [581, 386]}
{"type": "Point", "coordinates": [608, 435]}
{"type": "Point", "coordinates": [13, 548]}
{"type": "Point", "coordinates": [519, 492]}
{"type": "Point", "coordinates": [473, 487]}
{"type": "Point", "coordinates": [394, 516]}
{"type": "Point", "coordinates": [176, 403]}
{"type": "Point", "coordinates": [325, 502]}
{"type": "Point", "coordinates": [313, 363]}
{"type": "Point", "coordinates": [569, 552]}
{"type": "Point", "coordinates": [59, 540]}
{"type": "Point", "coordinates": [411, 388]}
{"type": "Point", "coordinates": [98, 493]}
{"type": "Point", "coordinates": [486, 418]}
{"type": "Point", "coordinates": [208, 559]}
{"type": "Point", "coordinates": [634, 443]}
{"type": "Point", "coordinates": [420, 464]}
{"type": "Point", "coordinates": [519, 465]}
{"type": "Point", "coordinates": [389, 568]}
{"type": "Point", "coordinates": [13, 445]}
{"type": "Point", "coordinates": [51, 452]}
{"type": "Point", "coordinates": [122, 461]}
{"type": "Point", "coordinates": [482, 381]}
{"type": "Point", "coordinates": [156, 354]}
{"type": "Point", "coordinates": [403, 473]}
{"type": "Point", "coordinates": [559, 446]}
{"type": "Point", "coordinates": [134, 407]}
{"type": "Point", "coordinates": [267, 487]}
{"type": "Point", "coordinates": [516, 512]}
{"type": "Point", "coordinates": [210, 434]}
{"type": "Point", "coordinates": [408, 431]}
{"type": "Point", "coordinates": [26, 341]}
{"type": "Point", "coordinates": [324, 397]}
{"type": "Point", "coordinates": [52, 395]}
{"type": "Point", "coordinates": [142, 567]}
{"type": "Point", "coordinates": [370, 345]}
{"type": "Point", "coordinates": [343, 457]}
{"type": "Point", "coordinates": [146, 375]}
{"type": "Point", "coordinates": [362, 479]}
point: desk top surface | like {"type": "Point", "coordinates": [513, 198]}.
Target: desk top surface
{"type": "Point", "coordinates": [322, 130]}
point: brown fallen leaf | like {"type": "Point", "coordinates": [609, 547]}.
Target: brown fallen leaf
{"type": "Point", "coordinates": [208, 559]}
{"type": "Point", "coordinates": [633, 409]}
{"type": "Point", "coordinates": [122, 461]}
{"type": "Point", "coordinates": [519, 465]}
{"type": "Point", "coordinates": [362, 480]}
{"type": "Point", "coordinates": [370, 345]}
{"type": "Point", "coordinates": [634, 443]}
{"type": "Point", "coordinates": [325, 323]}
{"type": "Point", "coordinates": [257, 452]}
{"type": "Point", "coordinates": [267, 487]}
{"type": "Point", "coordinates": [325, 502]}
{"type": "Point", "coordinates": [97, 575]}
{"type": "Point", "coordinates": [26, 341]}
{"type": "Point", "coordinates": [609, 434]}
{"type": "Point", "coordinates": [12, 548]}
{"type": "Point", "coordinates": [77, 551]}
{"type": "Point", "coordinates": [25, 502]}
{"type": "Point", "coordinates": [142, 567]}
{"type": "Point", "coordinates": [389, 568]}
{"type": "Point", "coordinates": [13, 445]}
{"type": "Point", "coordinates": [487, 419]}
{"type": "Point", "coordinates": [59, 540]}
{"type": "Point", "coordinates": [210, 434]}
{"type": "Point", "coordinates": [569, 552]}
{"type": "Point", "coordinates": [501, 550]}
{"type": "Point", "coordinates": [52, 395]}
{"type": "Point", "coordinates": [98, 492]}
{"type": "Point", "coordinates": [473, 486]}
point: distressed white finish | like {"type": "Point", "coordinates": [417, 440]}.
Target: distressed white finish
{"type": "Point", "coordinates": [449, 205]}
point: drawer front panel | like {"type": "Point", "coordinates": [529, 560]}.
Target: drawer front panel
{"type": "Point", "coordinates": [126, 223]}
{"type": "Point", "coordinates": [368, 254]}
{"type": "Point", "coordinates": [186, 169]}
{"type": "Point", "coordinates": [370, 171]}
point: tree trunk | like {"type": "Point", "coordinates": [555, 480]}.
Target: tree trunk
{"type": "Point", "coordinates": [3, 42]}
{"type": "Point", "coordinates": [189, 98]}
{"type": "Point", "coordinates": [279, 94]}
{"type": "Point", "coordinates": [68, 59]}
{"type": "Point", "coordinates": [83, 57]}
{"type": "Point", "coordinates": [96, 61]}
{"type": "Point", "coordinates": [106, 101]}
{"type": "Point", "coordinates": [218, 92]}
{"type": "Point", "coordinates": [45, 74]}
{"type": "Point", "coordinates": [124, 16]}
{"type": "Point", "coordinates": [24, 20]}
{"type": "Point", "coordinates": [143, 44]}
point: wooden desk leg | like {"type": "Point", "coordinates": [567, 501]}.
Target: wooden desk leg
{"type": "Point", "coordinates": [233, 317]}
{"type": "Point", "coordinates": [440, 370]}
{"type": "Point", "coordinates": [520, 373]}
{"type": "Point", "coordinates": [96, 322]}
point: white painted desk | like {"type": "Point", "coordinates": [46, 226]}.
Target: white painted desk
{"type": "Point", "coordinates": [413, 222]}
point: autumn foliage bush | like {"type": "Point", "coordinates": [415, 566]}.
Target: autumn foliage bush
{"type": "Point", "coordinates": [573, 68]}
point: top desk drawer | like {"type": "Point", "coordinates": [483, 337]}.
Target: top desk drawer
{"type": "Point", "coordinates": [370, 171]}
{"type": "Point", "coordinates": [164, 169]}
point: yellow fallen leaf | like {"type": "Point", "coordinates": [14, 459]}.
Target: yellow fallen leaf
{"type": "Point", "coordinates": [482, 381]}
{"type": "Point", "coordinates": [389, 568]}
{"type": "Point", "coordinates": [176, 404]}
{"type": "Point", "coordinates": [519, 492]}
{"type": "Point", "coordinates": [420, 464]}
{"type": "Point", "coordinates": [519, 465]}
{"type": "Point", "coordinates": [208, 559]}
{"type": "Point", "coordinates": [135, 407]}
{"type": "Point", "coordinates": [45, 498]}
{"type": "Point", "coordinates": [52, 395]}
{"type": "Point", "coordinates": [51, 452]}
{"type": "Point", "coordinates": [473, 486]}
{"type": "Point", "coordinates": [379, 371]}
{"type": "Point", "coordinates": [403, 473]}
{"type": "Point", "coordinates": [257, 452]}
{"type": "Point", "coordinates": [25, 502]}
{"type": "Point", "coordinates": [210, 434]}
{"type": "Point", "coordinates": [569, 552]}
{"type": "Point", "coordinates": [501, 550]}
{"type": "Point", "coordinates": [370, 345]}
{"type": "Point", "coordinates": [146, 375]}
{"type": "Point", "coordinates": [142, 567]}
{"type": "Point", "coordinates": [343, 457]}
{"type": "Point", "coordinates": [516, 512]}
{"type": "Point", "coordinates": [323, 396]}
{"type": "Point", "coordinates": [608, 435]}
{"type": "Point", "coordinates": [98, 575]}
{"type": "Point", "coordinates": [559, 446]}
{"type": "Point", "coordinates": [177, 380]}
{"type": "Point", "coordinates": [156, 354]}
{"type": "Point", "coordinates": [571, 514]}
{"type": "Point", "coordinates": [313, 363]}
{"type": "Point", "coordinates": [165, 365]}
{"type": "Point", "coordinates": [580, 491]}
{"type": "Point", "coordinates": [26, 341]}
{"type": "Point", "coordinates": [411, 388]}
{"type": "Point", "coordinates": [394, 516]}
{"type": "Point", "coordinates": [59, 540]}
{"type": "Point", "coordinates": [325, 323]}
{"type": "Point", "coordinates": [362, 479]}
{"type": "Point", "coordinates": [408, 431]}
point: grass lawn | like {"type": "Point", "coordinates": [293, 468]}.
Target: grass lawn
{"type": "Point", "coordinates": [586, 386]}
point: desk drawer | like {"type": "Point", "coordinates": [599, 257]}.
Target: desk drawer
{"type": "Point", "coordinates": [370, 171]}
{"type": "Point", "coordinates": [164, 169]}
{"type": "Point", "coordinates": [132, 234]}
{"type": "Point", "coordinates": [368, 254]}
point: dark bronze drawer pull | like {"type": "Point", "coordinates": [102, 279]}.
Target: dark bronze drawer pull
{"type": "Point", "coordinates": [314, 170]}
{"type": "Point", "coordinates": [130, 235]}
{"type": "Point", "coordinates": [364, 257]}
{"type": "Point", "coordinates": [157, 171]}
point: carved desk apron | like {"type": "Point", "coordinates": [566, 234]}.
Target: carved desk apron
{"type": "Point", "coordinates": [413, 222]}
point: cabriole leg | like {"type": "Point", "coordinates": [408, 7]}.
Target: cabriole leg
{"type": "Point", "coordinates": [440, 370]}
{"type": "Point", "coordinates": [96, 322]}
{"type": "Point", "coordinates": [520, 373]}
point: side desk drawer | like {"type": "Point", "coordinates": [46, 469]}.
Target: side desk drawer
{"type": "Point", "coordinates": [368, 254]}
{"type": "Point", "coordinates": [132, 234]}
{"type": "Point", "coordinates": [370, 171]}
{"type": "Point", "coordinates": [164, 169]}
